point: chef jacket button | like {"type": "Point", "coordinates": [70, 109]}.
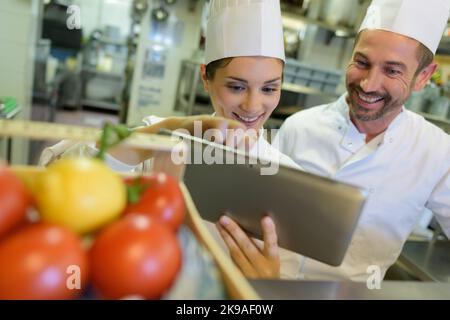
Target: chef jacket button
{"type": "Point", "coordinates": [372, 190]}
{"type": "Point", "coordinates": [350, 144]}
{"type": "Point", "coordinates": [391, 140]}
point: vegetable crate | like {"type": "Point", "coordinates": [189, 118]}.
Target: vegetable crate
{"type": "Point", "coordinates": [205, 265]}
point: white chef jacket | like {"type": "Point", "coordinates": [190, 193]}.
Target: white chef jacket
{"type": "Point", "coordinates": [405, 169]}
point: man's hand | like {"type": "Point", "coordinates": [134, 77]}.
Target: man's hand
{"type": "Point", "coordinates": [255, 260]}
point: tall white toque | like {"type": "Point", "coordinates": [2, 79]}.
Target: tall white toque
{"type": "Point", "coordinates": [244, 28]}
{"type": "Point", "coordinates": [422, 20]}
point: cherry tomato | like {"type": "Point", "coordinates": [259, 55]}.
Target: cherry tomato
{"type": "Point", "coordinates": [158, 196]}
{"type": "Point", "coordinates": [14, 200]}
{"type": "Point", "coordinates": [42, 261]}
{"type": "Point", "coordinates": [136, 255]}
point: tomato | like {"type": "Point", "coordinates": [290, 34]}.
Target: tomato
{"type": "Point", "coordinates": [14, 200]}
{"type": "Point", "coordinates": [136, 255]}
{"type": "Point", "coordinates": [42, 261]}
{"type": "Point", "coordinates": [159, 197]}
{"type": "Point", "coordinates": [80, 193]}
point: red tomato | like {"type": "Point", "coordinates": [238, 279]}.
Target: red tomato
{"type": "Point", "coordinates": [159, 196]}
{"type": "Point", "coordinates": [42, 261]}
{"type": "Point", "coordinates": [14, 200]}
{"type": "Point", "coordinates": [136, 255]}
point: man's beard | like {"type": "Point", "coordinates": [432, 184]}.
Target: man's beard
{"type": "Point", "coordinates": [362, 114]}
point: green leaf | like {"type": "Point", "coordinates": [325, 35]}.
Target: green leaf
{"type": "Point", "coordinates": [112, 134]}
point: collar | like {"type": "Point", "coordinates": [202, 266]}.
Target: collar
{"type": "Point", "coordinates": [352, 140]}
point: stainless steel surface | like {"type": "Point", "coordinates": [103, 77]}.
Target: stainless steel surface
{"type": "Point", "coordinates": [429, 261]}
{"type": "Point", "coordinates": [312, 290]}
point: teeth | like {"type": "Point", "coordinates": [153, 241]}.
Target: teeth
{"type": "Point", "coordinates": [369, 98]}
{"type": "Point", "coordinates": [248, 119]}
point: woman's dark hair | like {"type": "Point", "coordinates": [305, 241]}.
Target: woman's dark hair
{"type": "Point", "coordinates": [212, 67]}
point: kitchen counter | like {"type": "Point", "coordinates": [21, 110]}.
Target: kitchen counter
{"type": "Point", "coordinates": [428, 261]}
{"type": "Point", "coordinates": [314, 290]}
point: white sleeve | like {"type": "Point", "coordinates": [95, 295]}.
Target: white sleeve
{"type": "Point", "coordinates": [439, 203]}
{"type": "Point", "coordinates": [150, 120]}
{"type": "Point", "coordinates": [120, 166]}
{"type": "Point", "coordinates": [71, 148]}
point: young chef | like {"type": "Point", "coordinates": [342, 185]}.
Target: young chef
{"type": "Point", "coordinates": [243, 70]}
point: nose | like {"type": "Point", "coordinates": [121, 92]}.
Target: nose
{"type": "Point", "coordinates": [252, 103]}
{"type": "Point", "coordinates": [372, 80]}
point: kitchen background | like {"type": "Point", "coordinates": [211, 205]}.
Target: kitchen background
{"type": "Point", "coordinates": [86, 62]}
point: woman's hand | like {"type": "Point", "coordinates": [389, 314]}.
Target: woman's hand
{"type": "Point", "coordinates": [256, 260]}
{"type": "Point", "coordinates": [218, 129]}
{"type": "Point", "coordinates": [221, 130]}
{"type": "Point", "coordinates": [196, 125]}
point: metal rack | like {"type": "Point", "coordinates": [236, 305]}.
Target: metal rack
{"type": "Point", "coordinates": [191, 98]}
{"type": "Point", "coordinates": [310, 79]}
{"type": "Point", "coordinates": [92, 75]}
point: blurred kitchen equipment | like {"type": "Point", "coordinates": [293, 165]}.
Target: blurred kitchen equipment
{"type": "Point", "coordinates": [439, 107]}
{"type": "Point", "coordinates": [40, 83]}
{"type": "Point", "coordinates": [340, 13]}
{"type": "Point", "coordinates": [160, 13]}
{"type": "Point", "coordinates": [296, 3]}
{"type": "Point", "coordinates": [139, 8]}
{"type": "Point", "coordinates": [105, 59]}
{"type": "Point", "coordinates": [291, 42]}
{"type": "Point", "coordinates": [431, 91]}
{"type": "Point", "coordinates": [65, 42]}
{"type": "Point", "coordinates": [305, 75]}
{"type": "Point", "coordinates": [417, 101]}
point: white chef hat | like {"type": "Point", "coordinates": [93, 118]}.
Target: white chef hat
{"type": "Point", "coordinates": [422, 20]}
{"type": "Point", "coordinates": [244, 28]}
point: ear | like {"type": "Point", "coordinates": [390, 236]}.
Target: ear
{"type": "Point", "coordinates": [204, 78]}
{"type": "Point", "coordinates": [424, 75]}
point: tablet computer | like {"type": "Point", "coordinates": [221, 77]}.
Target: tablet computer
{"type": "Point", "coordinates": [314, 216]}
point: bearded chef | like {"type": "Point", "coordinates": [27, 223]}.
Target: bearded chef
{"type": "Point", "coordinates": [368, 138]}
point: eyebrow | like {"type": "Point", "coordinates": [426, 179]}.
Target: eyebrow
{"type": "Point", "coordinates": [391, 63]}
{"type": "Point", "coordinates": [245, 81]}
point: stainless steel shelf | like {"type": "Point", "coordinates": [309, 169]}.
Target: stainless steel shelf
{"type": "Point", "coordinates": [291, 87]}
{"type": "Point", "coordinates": [93, 71]}
{"type": "Point", "coordinates": [292, 12]}
{"type": "Point", "coordinates": [430, 261]}
{"type": "Point", "coordinates": [349, 290]}
{"type": "Point", "coordinates": [113, 41]}
{"type": "Point", "coordinates": [101, 104]}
